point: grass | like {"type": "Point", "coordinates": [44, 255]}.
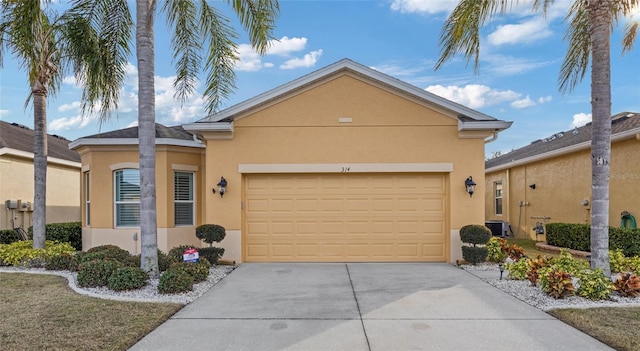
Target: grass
{"type": "Point", "coordinates": [614, 326]}
{"type": "Point", "coordinates": [40, 312]}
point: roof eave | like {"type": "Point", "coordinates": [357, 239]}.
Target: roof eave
{"type": "Point", "coordinates": [29, 155]}
{"type": "Point", "coordinates": [209, 127]}
{"type": "Point", "coordinates": [132, 141]}
{"type": "Point", "coordinates": [346, 64]}
{"type": "Point", "coordinates": [493, 125]}
{"type": "Point", "coordinates": [631, 133]}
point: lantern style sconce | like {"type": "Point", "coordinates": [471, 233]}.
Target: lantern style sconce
{"type": "Point", "coordinates": [222, 187]}
{"type": "Point", "coordinates": [470, 185]}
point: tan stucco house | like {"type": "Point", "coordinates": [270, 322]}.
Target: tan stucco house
{"type": "Point", "coordinates": [16, 178]}
{"type": "Point", "coordinates": [343, 164]}
{"type": "Point", "coordinates": [549, 180]}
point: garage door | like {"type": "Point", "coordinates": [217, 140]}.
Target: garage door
{"type": "Point", "coordinates": [344, 217]}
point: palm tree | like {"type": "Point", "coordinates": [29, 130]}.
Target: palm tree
{"type": "Point", "coordinates": [47, 46]}
{"type": "Point", "coordinates": [198, 28]}
{"type": "Point", "coordinates": [589, 32]}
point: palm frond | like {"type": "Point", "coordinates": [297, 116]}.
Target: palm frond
{"type": "Point", "coordinates": [630, 34]}
{"type": "Point", "coordinates": [258, 19]}
{"type": "Point", "coordinates": [182, 17]}
{"type": "Point", "coordinates": [576, 61]}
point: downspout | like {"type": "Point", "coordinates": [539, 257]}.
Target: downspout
{"type": "Point", "coordinates": [494, 136]}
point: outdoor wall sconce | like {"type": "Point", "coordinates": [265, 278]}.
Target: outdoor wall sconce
{"type": "Point", "coordinates": [222, 187]}
{"type": "Point", "coordinates": [470, 185]}
{"type": "Point", "coordinates": [532, 186]}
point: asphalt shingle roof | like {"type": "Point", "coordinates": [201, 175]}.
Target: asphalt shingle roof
{"type": "Point", "coordinates": [18, 137]}
{"type": "Point", "coordinates": [175, 132]}
{"type": "Point", "coordinates": [620, 122]}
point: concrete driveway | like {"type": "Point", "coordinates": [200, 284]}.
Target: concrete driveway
{"type": "Point", "coordinates": [360, 306]}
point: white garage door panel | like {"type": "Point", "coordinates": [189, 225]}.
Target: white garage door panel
{"type": "Point", "coordinates": [344, 217]}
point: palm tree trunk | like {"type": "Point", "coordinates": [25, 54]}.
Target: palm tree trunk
{"type": "Point", "coordinates": [146, 135]}
{"type": "Point", "coordinates": [600, 24]}
{"type": "Point", "coordinates": [39, 165]}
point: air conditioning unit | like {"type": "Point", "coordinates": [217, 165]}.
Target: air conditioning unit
{"type": "Point", "coordinates": [24, 206]}
{"type": "Point", "coordinates": [498, 228]}
{"type": "Point", "coordinates": [11, 204]}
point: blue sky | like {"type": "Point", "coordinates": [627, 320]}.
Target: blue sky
{"type": "Point", "coordinates": [520, 60]}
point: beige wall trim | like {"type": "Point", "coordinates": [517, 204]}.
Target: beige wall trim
{"type": "Point", "coordinates": [179, 167]}
{"type": "Point", "coordinates": [346, 168]}
{"type": "Point", "coordinates": [86, 168]}
{"type": "Point", "coordinates": [124, 165]}
{"type": "Point", "coordinates": [629, 134]}
{"type": "Point", "coordinates": [29, 155]}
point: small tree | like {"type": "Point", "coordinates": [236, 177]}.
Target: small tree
{"type": "Point", "coordinates": [210, 233]}
{"type": "Point", "coordinates": [475, 234]}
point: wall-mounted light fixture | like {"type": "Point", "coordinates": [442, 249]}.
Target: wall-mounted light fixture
{"type": "Point", "coordinates": [532, 186]}
{"type": "Point", "coordinates": [222, 187]}
{"type": "Point", "coordinates": [470, 186]}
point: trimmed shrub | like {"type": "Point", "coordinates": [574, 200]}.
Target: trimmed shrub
{"type": "Point", "coordinates": [175, 281]}
{"type": "Point", "coordinates": [210, 233]}
{"type": "Point", "coordinates": [475, 234]}
{"type": "Point", "coordinates": [127, 278]}
{"type": "Point", "coordinates": [211, 254]}
{"type": "Point", "coordinates": [198, 270]}
{"type": "Point", "coordinates": [474, 254]}
{"type": "Point", "coordinates": [68, 232]}
{"type": "Point", "coordinates": [578, 237]}
{"type": "Point", "coordinates": [106, 252]}
{"type": "Point", "coordinates": [9, 236]}
{"type": "Point", "coordinates": [96, 273]}
{"type": "Point", "coordinates": [163, 261]}
{"type": "Point", "coordinates": [132, 261]}
{"type": "Point", "coordinates": [62, 262]}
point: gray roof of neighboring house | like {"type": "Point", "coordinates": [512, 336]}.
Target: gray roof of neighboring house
{"type": "Point", "coordinates": [18, 137]}
{"type": "Point", "coordinates": [175, 132]}
{"type": "Point", "coordinates": [620, 123]}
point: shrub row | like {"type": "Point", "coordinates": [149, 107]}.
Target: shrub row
{"type": "Point", "coordinates": [8, 236]}
{"type": "Point", "coordinates": [68, 232]}
{"type": "Point", "coordinates": [22, 253]}
{"type": "Point", "coordinates": [578, 237]}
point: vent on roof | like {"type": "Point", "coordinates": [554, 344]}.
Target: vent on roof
{"type": "Point", "coordinates": [19, 125]}
{"type": "Point", "coordinates": [575, 131]}
{"type": "Point", "coordinates": [536, 141]}
{"type": "Point", "coordinates": [59, 137]}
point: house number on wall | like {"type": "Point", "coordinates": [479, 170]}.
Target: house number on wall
{"type": "Point", "coordinates": [345, 169]}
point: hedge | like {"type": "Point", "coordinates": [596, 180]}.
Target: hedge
{"type": "Point", "coordinates": [578, 237]}
{"type": "Point", "coordinates": [69, 232]}
{"type": "Point", "coordinates": [8, 236]}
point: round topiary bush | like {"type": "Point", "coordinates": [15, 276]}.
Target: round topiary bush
{"type": "Point", "coordinates": [474, 254]}
{"type": "Point", "coordinates": [210, 233]}
{"type": "Point", "coordinates": [175, 281]}
{"type": "Point", "coordinates": [212, 254]}
{"type": "Point", "coordinates": [475, 234]}
{"type": "Point", "coordinates": [127, 278]}
{"type": "Point", "coordinates": [96, 273]}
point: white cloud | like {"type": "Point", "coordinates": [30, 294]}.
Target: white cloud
{"type": "Point", "coordinates": [67, 123]}
{"type": "Point", "coordinates": [543, 99]}
{"type": "Point", "coordinates": [286, 45]}
{"type": "Point", "coordinates": [4, 113]}
{"type": "Point", "coordinates": [423, 6]}
{"type": "Point", "coordinates": [71, 80]}
{"type": "Point", "coordinates": [503, 65]}
{"type": "Point", "coordinates": [523, 103]}
{"type": "Point", "coordinates": [524, 32]}
{"type": "Point", "coordinates": [474, 95]}
{"type": "Point", "coordinates": [397, 70]}
{"type": "Point", "coordinates": [580, 119]}
{"type": "Point", "coordinates": [248, 59]}
{"type": "Point", "coordinates": [309, 60]}
{"type": "Point", "coordinates": [74, 106]}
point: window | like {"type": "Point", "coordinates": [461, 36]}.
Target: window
{"type": "Point", "coordinates": [87, 200]}
{"type": "Point", "coordinates": [127, 194]}
{"type": "Point", "coordinates": [497, 186]}
{"type": "Point", "coordinates": [183, 198]}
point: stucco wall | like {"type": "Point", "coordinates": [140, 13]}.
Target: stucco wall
{"type": "Point", "coordinates": [16, 183]}
{"type": "Point", "coordinates": [305, 129]}
{"type": "Point", "coordinates": [562, 184]}
{"type": "Point", "coordinates": [102, 161]}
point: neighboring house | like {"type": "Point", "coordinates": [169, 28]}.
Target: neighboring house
{"type": "Point", "coordinates": [343, 164]}
{"type": "Point", "coordinates": [16, 178]}
{"type": "Point", "coordinates": [549, 180]}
